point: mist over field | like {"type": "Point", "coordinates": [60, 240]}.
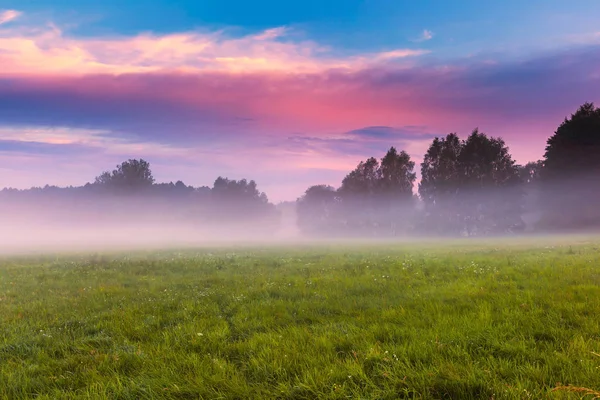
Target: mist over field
{"type": "Point", "coordinates": [125, 223]}
{"type": "Point", "coordinates": [114, 223]}
{"type": "Point", "coordinates": [468, 187]}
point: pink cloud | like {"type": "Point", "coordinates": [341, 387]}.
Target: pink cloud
{"type": "Point", "coordinates": [51, 51]}
{"type": "Point", "coordinates": [9, 15]}
{"type": "Point", "coordinates": [194, 101]}
{"type": "Point", "coordinates": [512, 100]}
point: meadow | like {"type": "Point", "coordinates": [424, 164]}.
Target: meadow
{"type": "Point", "coordinates": [462, 320]}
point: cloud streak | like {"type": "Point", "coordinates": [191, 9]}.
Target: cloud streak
{"type": "Point", "coordinates": [50, 51]}
{"type": "Point", "coordinates": [202, 106]}
{"type": "Point", "coordinates": [8, 15]}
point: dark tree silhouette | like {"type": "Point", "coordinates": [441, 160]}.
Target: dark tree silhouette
{"type": "Point", "coordinates": [131, 175]}
{"type": "Point", "coordinates": [240, 202]}
{"type": "Point", "coordinates": [396, 190]}
{"type": "Point", "coordinates": [396, 175]}
{"type": "Point", "coordinates": [317, 209]}
{"type": "Point", "coordinates": [530, 176]}
{"type": "Point", "coordinates": [494, 200]}
{"type": "Point", "coordinates": [128, 195]}
{"type": "Point", "coordinates": [575, 146]}
{"type": "Point", "coordinates": [530, 173]}
{"type": "Point", "coordinates": [375, 196]}
{"type": "Point", "coordinates": [363, 181]}
{"type": "Point", "coordinates": [440, 185]}
{"type": "Point", "coordinates": [471, 187]}
{"type": "Point", "coordinates": [571, 173]}
{"type": "Point", "coordinates": [357, 195]}
{"type": "Point", "coordinates": [177, 190]}
{"type": "Point", "coordinates": [227, 190]}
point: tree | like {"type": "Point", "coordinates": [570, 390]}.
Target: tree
{"type": "Point", "coordinates": [363, 181]}
{"type": "Point", "coordinates": [530, 176]}
{"type": "Point", "coordinates": [237, 201]}
{"type": "Point", "coordinates": [571, 173]}
{"type": "Point", "coordinates": [396, 174]}
{"type": "Point", "coordinates": [575, 146]}
{"type": "Point", "coordinates": [396, 189]}
{"type": "Point", "coordinates": [317, 208]}
{"type": "Point", "coordinates": [530, 173]}
{"type": "Point", "coordinates": [440, 184]}
{"type": "Point", "coordinates": [470, 187]}
{"type": "Point", "coordinates": [232, 191]}
{"type": "Point", "coordinates": [357, 194]}
{"type": "Point", "coordinates": [373, 193]}
{"type": "Point", "coordinates": [131, 175]}
{"type": "Point", "coordinates": [494, 200]}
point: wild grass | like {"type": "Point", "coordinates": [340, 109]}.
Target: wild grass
{"type": "Point", "coordinates": [461, 320]}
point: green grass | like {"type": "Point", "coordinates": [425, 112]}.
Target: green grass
{"type": "Point", "coordinates": [461, 320]}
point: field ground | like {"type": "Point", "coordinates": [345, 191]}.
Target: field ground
{"type": "Point", "coordinates": [459, 320]}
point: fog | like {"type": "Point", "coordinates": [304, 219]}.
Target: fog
{"type": "Point", "coordinates": [468, 189]}
{"type": "Point", "coordinates": [129, 236]}
{"type": "Point", "coordinates": [65, 221]}
{"type": "Point", "coordinates": [49, 225]}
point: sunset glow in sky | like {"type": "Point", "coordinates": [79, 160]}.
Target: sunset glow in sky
{"type": "Point", "coordinates": [287, 93]}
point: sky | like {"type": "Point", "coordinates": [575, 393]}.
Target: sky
{"type": "Point", "coordinates": [288, 93]}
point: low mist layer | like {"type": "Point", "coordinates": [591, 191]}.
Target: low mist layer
{"type": "Point", "coordinates": [467, 188]}
{"type": "Point", "coordinates": [76, 221]}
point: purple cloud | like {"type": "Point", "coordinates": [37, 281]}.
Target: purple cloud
{"type": "Point", "coordinates": [250, 122]}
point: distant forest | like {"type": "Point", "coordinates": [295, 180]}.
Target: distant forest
{"type": "Point", "coordinates": [468, 187]}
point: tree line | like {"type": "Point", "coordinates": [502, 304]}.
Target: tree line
{"type": "Point", "coordinates": [129, 193]}
{"type": "Point", "coordinates": [468, 187]}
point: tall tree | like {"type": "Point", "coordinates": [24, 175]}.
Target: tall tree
{"type": "Point", "coordinates": [440, 184]}
{"type": "Point", "coordinates": [357, 194]}
{"type": "Point", "coordinates": [373, 193]}
{"type": "Point", "coordinates": [490, 181]}
{"type": "Point", "coordinates": [530, 175]}
{"type": "Point", "coordinates": [363, 181]}
{"type": "Point", "coordinates": [571, 173]}
{"type": "Point", "coordinates": [396, 174]}
{"type": "Point", "coordinates": [397, 178]}
{"type": "Point", "coordinates": [470, 187]}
